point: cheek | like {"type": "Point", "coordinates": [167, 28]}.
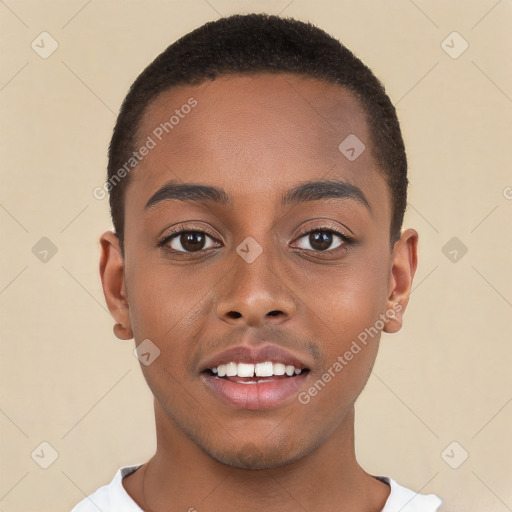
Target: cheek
{"type": "Point", "coordinates": [164, 301]}
{"type": "Point", "coordinates": [348, 321]}
{"type": "Point", "coordinates": [350, 299]}
{"type": "Point", "coordinates": [164, 308]}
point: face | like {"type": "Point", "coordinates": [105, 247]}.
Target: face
{"type": "Point", "coordinates": [259, 273]}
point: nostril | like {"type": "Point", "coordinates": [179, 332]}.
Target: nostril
{"type": "Point", "coordinates": [234, 314]}
{"type": "Point", "coordinates": [274, 313]}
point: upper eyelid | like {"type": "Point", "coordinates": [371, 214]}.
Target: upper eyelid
{"type": "Point", "coordinates": [332, 229]}
{"type": "Point", "coordinates": [306, 231]}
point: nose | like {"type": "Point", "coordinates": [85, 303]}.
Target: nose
{"type": "Point", "coordinates": [255, 293]}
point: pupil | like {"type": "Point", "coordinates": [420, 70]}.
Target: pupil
{"type": "Point", "coordinates": [320, 240]}
{"type": "Point", "coordinates": [192, 241]}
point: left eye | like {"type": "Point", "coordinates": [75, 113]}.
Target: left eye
{"type": "Point", "coordinates": [321, 240]}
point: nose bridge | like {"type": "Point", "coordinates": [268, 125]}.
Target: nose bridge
{"type": "Point", "coordinates": [255, 291]}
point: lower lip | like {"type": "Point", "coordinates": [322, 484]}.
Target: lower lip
{"type": "Point", "coordinates": [260, 395]}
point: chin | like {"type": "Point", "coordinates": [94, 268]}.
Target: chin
{"type": "Point", "coordinates": [253, 457]}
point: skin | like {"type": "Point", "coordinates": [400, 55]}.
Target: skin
{"type": "Point", "coordinates": [256, 137]}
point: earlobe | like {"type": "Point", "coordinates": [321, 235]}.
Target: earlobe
{"type": "Point", "coordinates": [111, 269]}
{"type": "Point", "coordinates": [122, 332]}
{"type": "Point", "coordinates": [404, 262]}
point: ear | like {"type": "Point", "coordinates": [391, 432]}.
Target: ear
{"type": "Point", "coordinates": [114, 286]}
{"type": "Point", "coordinates": [404, 262]}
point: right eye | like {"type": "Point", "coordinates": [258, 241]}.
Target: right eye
{"type": "Point", "coordinates": [187, 241]}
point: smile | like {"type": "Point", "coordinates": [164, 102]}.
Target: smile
{"type": "Point", "coordinates": [254, 386]}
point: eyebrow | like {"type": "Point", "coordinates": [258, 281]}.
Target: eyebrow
{"type": "Point", "coordinates": [308, 191]}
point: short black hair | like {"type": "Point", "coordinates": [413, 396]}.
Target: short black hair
{"type": "Point", "coordinates": [252, 43]}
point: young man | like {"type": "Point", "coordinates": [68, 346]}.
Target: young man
{"type": "Point", "coordinates": [257, 180]}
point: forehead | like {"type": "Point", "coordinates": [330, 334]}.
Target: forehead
{"type": "Point", "coordinates": [255, 135]}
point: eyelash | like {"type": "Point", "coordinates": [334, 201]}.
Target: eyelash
{"type": "Point", "coordinates": [347, 241]}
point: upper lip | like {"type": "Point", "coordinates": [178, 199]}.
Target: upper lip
{"type": "Point", "coordinates": [251, 354]}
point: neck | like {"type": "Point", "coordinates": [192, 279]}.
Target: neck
{"type": "Point", "coordinates": [180, 476]}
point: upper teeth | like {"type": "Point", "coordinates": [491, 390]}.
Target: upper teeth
{"type": "Point", "coordinates": [266, 369]}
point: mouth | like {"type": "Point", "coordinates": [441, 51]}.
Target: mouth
{"type": "Point", "coordinates": [245, 378]}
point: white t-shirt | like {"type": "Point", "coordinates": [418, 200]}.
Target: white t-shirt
{"type": "Point", "coordinates": [114, 498]}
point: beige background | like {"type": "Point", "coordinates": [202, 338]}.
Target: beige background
{"type": "Point", "coordinates": [445, 377]}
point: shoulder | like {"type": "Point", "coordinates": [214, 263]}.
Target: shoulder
{"type": "Point", "coordinates": [406, 500]}
{"type": "Point", "coordinates": [110, 497]}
